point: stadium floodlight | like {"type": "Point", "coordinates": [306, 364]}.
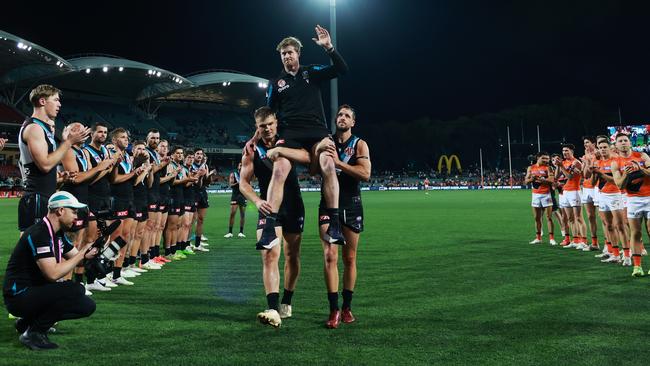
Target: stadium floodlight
{"type": "Point", "coordinates": [105, 69]}
{"type": "Point", "coordinates": [158, 74]}
{"type": "Point", "coordinates": [29, 48]}
{"type": "Point", "coordinates": [121, 69]}
{"type": "Point", "coordinates": [87, 71]}
{"type": "Point", "coordinates": [149, 72]}
{"type": "Point", "coordinates": [224, 83]}
{"type": "Point", "coordinates": [21, 45]}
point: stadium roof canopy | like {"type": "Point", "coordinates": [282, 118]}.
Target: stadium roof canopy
{"type": "Point", "coordinates": [118, 77]}
{"type": "Point", "coordinates": [223, 87]}
{"type": "Point", "coordinates": [23, 62]}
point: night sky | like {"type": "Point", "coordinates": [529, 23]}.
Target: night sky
{"type": "Point", "coordinates": [408, 59]}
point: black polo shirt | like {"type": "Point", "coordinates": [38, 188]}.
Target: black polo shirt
{"type": "Point", "coordinates": [297, 100]}
{"type": "Point", "coordinates": [37, 242]}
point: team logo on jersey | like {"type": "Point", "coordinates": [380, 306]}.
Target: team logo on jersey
{"type": "Point", "coordinates": [349, 151]}
{"type": "Point", "coordinates": [324, 217]}
{"type": "Point", "coordinates": [280, 141]}
{"type": "Point", "coordinates": [281, 83]}
{"type": "Point", "coordinates": [305, 76]}
{"type": "Point", "coordinates": [261, 222]}
{"type": "Point", "coordinates": [359, 218]}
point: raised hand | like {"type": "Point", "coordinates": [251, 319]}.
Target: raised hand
{"type": "Point", "coordinates": [323, 37]}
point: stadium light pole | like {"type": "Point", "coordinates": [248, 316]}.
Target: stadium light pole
{"type": "Point", "coordinates": [334, 85]}
{"type": "Point", "coordinates": [480, 152]}
{"type": "Point", "coordinates": [509, 158]}
{"type": "Point", "coordinates": [539, 143]}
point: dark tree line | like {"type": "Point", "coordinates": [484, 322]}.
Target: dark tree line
{"type": "Point", "coordinates": [418, 144]}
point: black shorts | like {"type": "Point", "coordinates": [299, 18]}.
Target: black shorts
{"type": "Point", "coordinates": [153, 199]}
{"type": "Point", "coordinates": [100, 207]}
{"type": "Point", "coordinates": [238, 199]}
{"type": "Point", "coordinates": [203, 202]}
{"type": "Point", "coordinates": [140, 211]}
{"type": "Point", "coordinates": [163, 206]}
{"type": "Point", "coordinates": [122, 209]}
{"type": "Point", "coordinates": [31, 209]}
{"type": "Point", "coordinates": [176, 208]}
{"type": "Point", "coordinates": [190, 206]}
{"type": "Point", "coordinates": [291, 217]}
{"type": "Point", "coordinates": [304, 138]}
{"type": "Point", "coordinates": [350, 215]}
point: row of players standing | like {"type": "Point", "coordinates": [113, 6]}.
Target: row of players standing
{"type": "Point", "coordinates": [144, 189]}
{"type": "Point", "coordinates": [615, 181]}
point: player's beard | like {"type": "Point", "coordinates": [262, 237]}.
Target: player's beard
{"type": "Point", "coordinates": [342, 129]}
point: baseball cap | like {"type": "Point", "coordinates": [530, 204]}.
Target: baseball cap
{"type": "Point", "coordinates": [64, 199]}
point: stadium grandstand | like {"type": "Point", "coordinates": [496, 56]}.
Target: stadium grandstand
{"type": "Point", "coordinates": [211, 109]}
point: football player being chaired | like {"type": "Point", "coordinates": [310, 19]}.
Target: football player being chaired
{"type": "Point", "coordinates": [631, 173]}
{"type": "Point", "coordinates": [351, 157]}
{"type": "Point", "coordinates": [541, 176]}
{"type": "Point", "coordinates": [290, 218]}
{"type": "Point", "coordinates": [237, 199]}
{"type": "Point", "coordinates": [296, 98]}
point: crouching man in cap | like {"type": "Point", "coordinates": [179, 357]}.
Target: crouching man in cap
{"type": "Point", "coordinates": [33, 289]}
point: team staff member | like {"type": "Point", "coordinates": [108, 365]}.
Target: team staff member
{"type": "Point", "coordinates": [41, 258]}
{"type": "Point", "coordinates": [351, 157]}
{"type": "Point", "coordinates": [541, 177]}
{"type": "Point", "coordinates": [296, 97]}
{"type": "Point", "coordinates": [39, 154]}
{"type": "Point", "coordinates": [237, 199]}
{"type": "Point", "coordinates": [256, 162]}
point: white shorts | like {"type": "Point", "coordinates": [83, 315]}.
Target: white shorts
{"type": "Point", "coordinates": [610, 202]}
{"type": "Point", "coordinates": [542, 200]}
{"type": "Point", "coordinates": [588, 196]}
{"type": "Point", "coordinates": [570, 199]}
{"type": "Point", "coordinates": [638, 207]}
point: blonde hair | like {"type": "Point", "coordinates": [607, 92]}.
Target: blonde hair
{"type": "Point", "coordinates": [289, 41]}
{"type": "Point", "coordinates": [42, 91]}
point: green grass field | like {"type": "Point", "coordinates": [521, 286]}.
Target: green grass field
{"type": "Point", "coordinates": [444, 278]}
